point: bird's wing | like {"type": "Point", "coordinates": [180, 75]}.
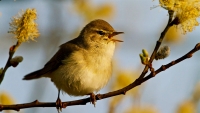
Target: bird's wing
{"type": "Point", "coordinates": [65, 50]}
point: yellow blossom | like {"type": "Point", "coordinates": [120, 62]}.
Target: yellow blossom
{"type": "Point", "coordinates": [173, 36]}
{"type": "Point", "coordinates": [167, 4]}
{"type": "Point", "coordinates": [123, 79]}
{"type": "Point", "coordinates": [187, 107]}
{"type": "Point", "coordinates": [24, 26]}
{"type": "Point", "coordinates": [187, 15]}
{"type": "Point", "coordinates": [185, 11]}
{"type": "Point", "coordinates": [142, 109]}
{"type": "Point", "coordinates": [6, 98]}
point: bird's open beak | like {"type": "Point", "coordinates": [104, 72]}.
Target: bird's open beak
{"type": "Point", "coordinates": [113, 34]}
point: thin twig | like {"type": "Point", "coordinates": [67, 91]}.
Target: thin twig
{"type": "Point", "coordinates": [164, 67]}
{"type": "Point", "coordinates": [137, 82]}
{"type": "Point", "coordinates": [169, 24]}
{"type": "Point", "coordinates": [11, 53]}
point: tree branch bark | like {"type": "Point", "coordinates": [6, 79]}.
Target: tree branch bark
{"type": "Point", "coordinates": [137, 82]}
{"type": "Point", "coordinates": [158, 43]}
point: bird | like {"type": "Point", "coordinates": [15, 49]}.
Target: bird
{"type": "Point", "coordinates": [83, 65]}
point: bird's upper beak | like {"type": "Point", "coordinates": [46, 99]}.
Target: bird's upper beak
{"type": "Point", "coordinates": [113, 34]}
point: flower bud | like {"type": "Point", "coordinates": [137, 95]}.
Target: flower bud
{"type": "Point", "coordinates": [144, 57]}
{"type": "Point", "coordinates": [162, 53]}
{"type": "Point", "coordinates": [16, 60]}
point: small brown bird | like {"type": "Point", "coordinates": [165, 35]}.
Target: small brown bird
{"type": "Point", "coordinates": [83, 65]}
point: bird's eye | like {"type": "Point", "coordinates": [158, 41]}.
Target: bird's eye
{"type": "Point", "coordinates": [101, 32]}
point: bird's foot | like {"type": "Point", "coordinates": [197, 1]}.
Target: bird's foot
{"type": "Point", "coordinates": [92, 98]}
{"type": "Point", "coordinates": [59, 105]}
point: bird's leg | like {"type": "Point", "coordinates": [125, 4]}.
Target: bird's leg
{"type": "Point", "coordinates": [59, 102]}
{"type": "Point", "coordinates": [92, 98]}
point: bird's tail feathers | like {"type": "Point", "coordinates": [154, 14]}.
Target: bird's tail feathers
{"type": "Point", "coordinates": [33, 75]}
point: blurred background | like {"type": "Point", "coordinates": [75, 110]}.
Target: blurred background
{"type": "Point", "coordinates": [176, 90]}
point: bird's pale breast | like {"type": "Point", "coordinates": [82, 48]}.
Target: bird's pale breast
{"type": "Point", "coordinates": [90, 71]}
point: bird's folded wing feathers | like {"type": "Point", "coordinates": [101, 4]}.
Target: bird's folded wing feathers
{"type": "Point", "coordinates": [65, 50]}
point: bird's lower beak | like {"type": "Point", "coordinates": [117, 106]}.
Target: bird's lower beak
{"type": "Point", "coordinates": [116, 40]}
{"type": "Point", "coordinates": [113, 34]}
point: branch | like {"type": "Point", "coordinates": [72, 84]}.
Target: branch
{"type": "Point", "coordinates": [169, 24]}
{"type": "Point", "coordinates": [8, 64]}
{"type": "Point", "coordinates": [137, 82]}
{"type": "Point", "coordinates": [164, 67]}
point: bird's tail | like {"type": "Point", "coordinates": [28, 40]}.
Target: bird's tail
{"type": "Point", "coordinates": [33, 75]}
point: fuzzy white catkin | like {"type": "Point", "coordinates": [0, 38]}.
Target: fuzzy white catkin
{"type": "Point", "coordinates": [162, 53]}
{"type": "Point", "coordinates": [17, 59]}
